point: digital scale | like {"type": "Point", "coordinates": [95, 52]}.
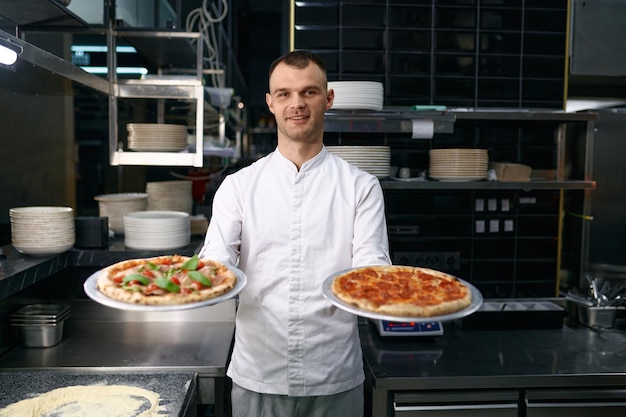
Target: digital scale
{"type": "Point", "coordinates": [409, 328]}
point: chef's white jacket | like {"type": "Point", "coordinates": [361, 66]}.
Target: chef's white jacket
{"type": "Point", "coordinates": [288, 230]}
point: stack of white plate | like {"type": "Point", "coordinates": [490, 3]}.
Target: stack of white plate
{"type": "Point", "coordinates": [42, 230]}
{"type": "Point", "coordinates": [458, 164]}
{"type": "Point", "coordinates": [357, 95]}
{"type": "Point", "coordinates": [156, 230]}
{"type": "Point", "coordinates": [373, 159]}
{"type": "Point", "coordinates": [114, 206]}
{"type": "Point", "coordinates": [170, 196]}
{"type": "Point", "coordinates": [156, 137]}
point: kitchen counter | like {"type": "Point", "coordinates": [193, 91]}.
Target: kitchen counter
{"type": "Point", "coordinates": [514, 360]}
{"type": "Point", "coordinates": [96, 337]}
{"type": "Point", "coordinates": [176, 390]}
{"type": "Point", "coordinates": [101, 339]}
{"type": "Point", "coordinates": [492, 360]}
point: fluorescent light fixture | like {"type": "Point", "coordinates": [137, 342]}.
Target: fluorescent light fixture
{"type": "Point", "coordinates": [119, 70]}
{"type": "Point", "coordinates": [103, 48]}
{"type": "Point", "coordinates": [9, 52]}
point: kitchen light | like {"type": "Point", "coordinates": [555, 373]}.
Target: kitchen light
{"type": "Point", "coordinates": [9, 52]}
{"type": "Point", "coordinates": [103, 48]}
{"type": "Point", "coordinates": [119, 70]}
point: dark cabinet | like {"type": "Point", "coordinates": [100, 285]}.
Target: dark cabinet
{"type": "Point", "coordinates": [607, 402]}
{"type": "Point", "coordinates": [456, 404]}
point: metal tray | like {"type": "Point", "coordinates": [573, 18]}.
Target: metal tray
{"type": "Point", "coordinates": [477, 300]}
{"type": "Point", "coordinates": [95, 294]}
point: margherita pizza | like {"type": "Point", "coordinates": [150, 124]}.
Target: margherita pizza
{"type": "Point", "coordinates": [402, 291]}
{"type": "Point", "coordinates": [166, 280]}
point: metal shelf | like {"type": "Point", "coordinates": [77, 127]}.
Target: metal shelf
{"type": "Point", "coordinates": [156, 158]}
{"type": "Point", "coordinates": [166, 49]}
{"type": "Point", "coordinates": [488, 185]}
{"type": "Point", "coordinates": [162, 47]}
{"type": "Point", "coordinates": [522, 114]}
{"type": "Point", "coordinates": [184, 88]}
{"type": "Point", "coordinates": [40, 14]}
{"type": "Point", "coordinates": [387, 121]}
{"type": "Point", "coordinates": [39, 72]}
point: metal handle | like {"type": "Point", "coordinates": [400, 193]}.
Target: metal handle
{"type": "Point", "coordinates": [453, 407]}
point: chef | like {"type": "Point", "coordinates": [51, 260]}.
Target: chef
{"type": "Point", "coordinates": [290, 220]}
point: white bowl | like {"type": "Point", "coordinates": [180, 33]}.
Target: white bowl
{"type": "Point", "coordinates": [44, 250]}
{"type": "Point", "coordinates": [115, 206]}
{"type": "Point", "coordinates": [38, 211]}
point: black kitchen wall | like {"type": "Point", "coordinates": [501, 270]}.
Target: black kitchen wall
{"type": "Point", "coordinates": [466, 53]}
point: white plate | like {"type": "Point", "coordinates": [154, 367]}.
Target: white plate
{"type": "Point", "coordinates": [95, 294]}
{"type": "Point", "coordinates": [477, 300]}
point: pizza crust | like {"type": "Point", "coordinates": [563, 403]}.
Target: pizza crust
{"type": "Point", "coordinates": [223, 282]}
{"type": "Point", "coordinates": [402, 291]}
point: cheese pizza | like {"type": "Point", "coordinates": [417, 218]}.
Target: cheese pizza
{"type": "Point", "coordinates": [402, 291]}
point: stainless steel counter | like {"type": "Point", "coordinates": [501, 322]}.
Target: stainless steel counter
{"type": "Point", "coordinates": [567, 358]}
{"type": "Point", "coordinates": [98, 338]}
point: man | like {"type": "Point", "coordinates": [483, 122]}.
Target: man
{"type": "Point", "coordinates": [290, 220]}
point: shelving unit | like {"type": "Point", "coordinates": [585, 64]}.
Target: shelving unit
{"type": "Point", "coordinates": [511, 239]}
{"type": "Point", "coordinates": [170, 52]}
{"type": "Point", "coordinates": [500, 69]}
{"type": "Point", "coordinates": [183, 87]}
{"type": "Point", "coordinates": [457, 53]}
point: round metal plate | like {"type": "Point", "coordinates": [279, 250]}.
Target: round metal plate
{"type": "Point", "coordinates": [95, 294]}
{"type": "Point", "coordinates": [477, 300]}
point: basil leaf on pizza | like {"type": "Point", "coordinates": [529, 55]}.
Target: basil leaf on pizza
{"type": "Point", "coordinates": [166, 280]}
{"type": "Point", "coordinates": [198, 277]}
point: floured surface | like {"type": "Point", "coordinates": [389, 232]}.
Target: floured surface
{"type": "Point", "coordinates": [88, 401]}
{"type": "Point", "coordinates": [172, 392]}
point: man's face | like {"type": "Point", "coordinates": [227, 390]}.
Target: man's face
{"type": "Point", "coordinates": [298, 100]}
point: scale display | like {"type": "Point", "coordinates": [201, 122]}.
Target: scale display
{"type": "Point", "coordinates": [394, 328]}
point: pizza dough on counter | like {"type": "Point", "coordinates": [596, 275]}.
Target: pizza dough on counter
{"type": "Point", "coordinates": [88, 401]}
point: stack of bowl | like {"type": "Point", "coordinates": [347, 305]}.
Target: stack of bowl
{"type": "Point", "coordinates": [170, 195]}
{"type": "Point", "coordinates": [42, 230]}
{"type": "Point", "coordinates": [115, 206]}
{"type": "Point", "coordinates": [40, 325]}
{"type": "Point", "coordinates": [156, 230]}
{"type": "Point", "coordinates": [199, 224]}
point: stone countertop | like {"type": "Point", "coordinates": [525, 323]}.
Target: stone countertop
{"type": "Point", "coordinates": [177, 390]}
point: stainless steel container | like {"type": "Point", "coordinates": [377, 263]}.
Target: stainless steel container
{"type": "Point", "coordinates": [40, 325]}
{"type": "Point", "coordinates": [40, 335]}
{"type": "Point", "coordinates": [597, 317]}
